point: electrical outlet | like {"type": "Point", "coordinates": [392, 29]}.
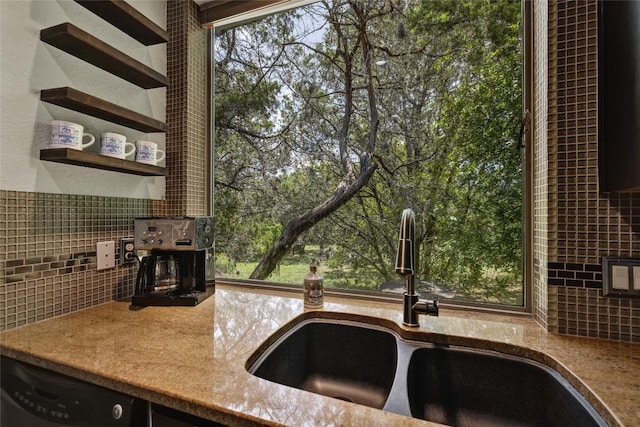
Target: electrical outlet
{"type": "Point", "coordinates": [106, 255]}
{"type": "Point", "coordinates": [127, 251]}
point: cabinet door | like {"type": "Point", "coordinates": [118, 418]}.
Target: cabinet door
{"type": "Point", "coordinates": [619, 95]}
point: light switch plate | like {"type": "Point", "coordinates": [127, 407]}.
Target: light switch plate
{"type": "Point", "coordinates": [621, 277]}
{"type": "Point", "coordinates": [636, 278]}
{"type": "Point", "coordinates": [106, 255]}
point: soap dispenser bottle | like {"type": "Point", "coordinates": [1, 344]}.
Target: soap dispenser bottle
{"type": "Point", "coordinates": [313, 288]}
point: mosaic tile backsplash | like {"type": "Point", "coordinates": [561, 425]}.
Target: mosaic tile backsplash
{"type": "Point", "coordinates": [582, 224]}
{"type": "Point", "coordinates": [187, 107]}
{"type": "Point", "coordinates": [577, 307]}
{"type": "Point", "coordinates": [542, 67]}
{"type": "Point", "coordinates": [47, 252]}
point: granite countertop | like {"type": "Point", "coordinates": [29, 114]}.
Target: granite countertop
{"type": "Point", "coordinates": [194, 358]}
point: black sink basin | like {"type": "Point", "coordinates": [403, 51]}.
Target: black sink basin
{"type": "Point", "coordinates": [465, 387]}
{"type": "Point", "coordinates": [374, 366]}
{"type": "Point", "coordinates": [339, 360]}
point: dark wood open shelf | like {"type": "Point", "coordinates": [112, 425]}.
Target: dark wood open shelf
{"type": "Point", "coordinates": [84, 103]}
{"type": "Point", "coordinates": [96, 161]}
{"type": "Point", "coordinates": [83, 45]}
{"type": "Point", "coordinates": [121, 15]}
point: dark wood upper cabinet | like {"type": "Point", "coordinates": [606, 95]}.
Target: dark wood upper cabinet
{"type": "Point", "coordinates": [619, 95]}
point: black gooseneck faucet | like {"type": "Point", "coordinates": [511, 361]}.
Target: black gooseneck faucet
{"type": "Point", "coordinates": [405, 266]}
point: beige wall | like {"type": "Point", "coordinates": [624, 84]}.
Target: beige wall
{"type": "Point", "coordinates": [30, 65]}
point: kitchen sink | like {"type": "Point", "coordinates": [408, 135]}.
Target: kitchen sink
{"type": "Point", "coordinates": [467, 387]}
{"type": "Point", "coordinates": [334, 359]}
{"type": "Point", "coordinates": [368, 364]}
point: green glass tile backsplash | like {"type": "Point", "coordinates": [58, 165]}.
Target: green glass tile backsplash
{"type": "Point", "coordinates": [47, 252]}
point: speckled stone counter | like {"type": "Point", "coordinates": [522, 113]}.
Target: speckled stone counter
{"type": "Point", "coordinates": [194, 358]}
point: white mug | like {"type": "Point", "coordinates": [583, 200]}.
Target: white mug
{"type": "Point", "coordinates": [147, 152]}
{"type": "Point", "coordinates": [68, 135]}
{"type": "Point", "coordinates": [115, 145]}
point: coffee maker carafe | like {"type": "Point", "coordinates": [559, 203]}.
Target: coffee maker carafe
{"type": "Point", "coordinates": [179, 268]}
{"type": "Point", "coordinates": [158, 274]}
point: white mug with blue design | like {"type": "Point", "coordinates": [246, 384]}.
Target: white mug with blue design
{"type": "Point", "coordinates": [148, 152]}
{"type": "Point", "coordinates": [69, 135]}
{"type": "Point", "coordinates": [116, 145]}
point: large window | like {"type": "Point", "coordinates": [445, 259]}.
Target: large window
{"type": "Point", "coordinates": [333, 117]}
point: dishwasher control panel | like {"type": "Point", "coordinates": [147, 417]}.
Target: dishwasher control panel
{"type": "Point", "coordinates": [35, 397]}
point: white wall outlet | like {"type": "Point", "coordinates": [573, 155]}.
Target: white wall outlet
{"type": "Point", "coordinates": [106, 255]}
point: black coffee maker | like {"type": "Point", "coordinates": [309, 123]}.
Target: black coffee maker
{"type": "Point", "coordinates": [179, 266]}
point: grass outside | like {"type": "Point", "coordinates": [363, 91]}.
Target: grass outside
{"type": "Point", "coordinates": [294, 267]}
{"type": "Point", "coordinates": [291, 272]}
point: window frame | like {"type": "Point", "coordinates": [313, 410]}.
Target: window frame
{"type": "Point", "coordinates": [255, 10]}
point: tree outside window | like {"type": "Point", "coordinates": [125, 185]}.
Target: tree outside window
{"type": "Point", "coordinates": [332, 118]}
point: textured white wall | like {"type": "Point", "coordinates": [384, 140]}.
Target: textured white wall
{"type": "Point", "coordinates": [28, 65]}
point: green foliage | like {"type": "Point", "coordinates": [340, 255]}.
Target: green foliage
{"type": "Point", "coordinates": [479, 229]}
{"type": "Point", "coordinates": [293, 272]}
{"type": "Point", "coordinates": [225, 265]}
{"type": "Point", "coordinates": [447, 80]}
{"type": "Point", "coordinates": [265, 234]}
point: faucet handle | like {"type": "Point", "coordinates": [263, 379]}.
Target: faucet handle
{"type": "Point", "coordinates": [428, 307]}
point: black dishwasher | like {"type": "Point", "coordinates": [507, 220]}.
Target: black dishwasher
{"type": "Point", "coordinates": [36, 397]}
{"type": "Point", "coordinates": [165, 417]}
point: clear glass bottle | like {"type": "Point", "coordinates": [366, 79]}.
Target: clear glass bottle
{"type": "Point", "coordinates": [313, 288]}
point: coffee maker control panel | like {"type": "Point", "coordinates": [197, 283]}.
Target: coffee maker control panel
{"type": "Point", "coordinates": [174, 234]}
